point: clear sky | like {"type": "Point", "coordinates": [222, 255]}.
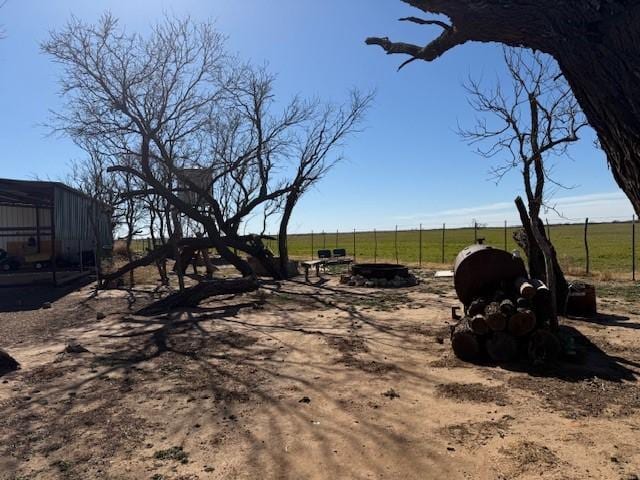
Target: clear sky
{"type": "Point", "coordinates": [407, 167]}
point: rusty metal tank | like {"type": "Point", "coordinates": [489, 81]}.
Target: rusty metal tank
{"type": "Point", "coordinates": [481, 269]}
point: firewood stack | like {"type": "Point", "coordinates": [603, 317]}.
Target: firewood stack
{"type": "Point", "coordinates": [509, 324]}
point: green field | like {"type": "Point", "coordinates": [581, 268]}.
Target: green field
{"type": "Point", "coordinates": [609, 245]}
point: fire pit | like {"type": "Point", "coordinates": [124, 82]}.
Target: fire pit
{"type": "Point", "coordinates": [379, 275]}
{"type": "Point", "coordinates": [380, 270]}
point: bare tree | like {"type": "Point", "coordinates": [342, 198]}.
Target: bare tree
{"type": "Point", "coordinates": [174, 103]}
{"type": "Point", "coordinates": [532, 119]}
{"type": "Point", "coordinates": [324, 134]}
{"type": "Point", "coordinates": [596, 44]}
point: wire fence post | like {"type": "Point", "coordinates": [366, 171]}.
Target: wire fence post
{"type": "Point", "coordinates": [375, 247]}
{"type": "Point", "coordinates": [324, 239]}
{"type": "Point", "coordinates": [312, 255]}
{"type": "Point", "coordinates": [505, 235]}
{"type": "Point", "coordinates": [633, 248]}
{"type": "Point", "coordinates": [354, 245]}
{"type": "Point", "coordinates": [443, 229]}
{"type": "Point", "coordinates": [475, 231]}
{"type": "Point", "coordinates": [420, 247]}
{"type": "Point", "coordinates": [336, 238]}
{"type": "Point", "coordinates": [586, 244]}
{"type": "Point", "coordinates": [395, 240]}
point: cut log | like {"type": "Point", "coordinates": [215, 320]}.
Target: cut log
{"type": "Point", "coordinates": [525, 288]}
{"type": "Point", "coordinates": [463, 341]}
{"type": "Point", "coordinates": [521, 322]}
{"type": "Point", "coordinates": [192, 296]}
{"type": "Point", "coordinates": [476, 307]}
{"type": "Point", "coordinates": [522, 302]}
{"type": "Point", "coordinates": [502, 347]}
{"type": "Point", "coordinates": [544, 347]}
{"type": "Point", "coordinates": [496, 320]}
{"type": "Point", "coordinates": [479, 325]}
{"type": "Point", "coordinates": [507, 307]}
{"type": "Point", "coordinates": [540, 286]}
{"type": "Point", "coordinates": [7, 363]}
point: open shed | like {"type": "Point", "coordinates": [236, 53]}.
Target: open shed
{"type": "Point", "coordinates": [48, 224]}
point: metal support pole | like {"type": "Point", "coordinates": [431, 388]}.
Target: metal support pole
{"type": "Point", "coordinates": [375, 247]}
{"type": "Point", "coordinates": [324, 239]}
{"type": "Point", "coordinates": [312, 257]}
{"type": "Point", "coordinates": [475, 231]}
{"type": "Point", "coordinates": [354, 245]}
{"type": "Point", "coordinates": [54, 273]}
{"type": "Point", "coordinates": [38, 230]}
{"type": "Point", "coordinates": [443, 229]}
{"type": "Point", "coordinates": [336, 238]}
{"type": "Point", "coordinates": [395, 240]}
{"type": "Point", "coordinates": [586, 244]}
{"type": "Point", "coordinates": [505, 235]}
{"type": "Point", "coordinates": [420, 247]}
{"type": "Point", "coordinates": [633, 248]}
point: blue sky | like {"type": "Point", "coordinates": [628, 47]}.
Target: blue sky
{"type": "Point", "coordinates": [407, 167]}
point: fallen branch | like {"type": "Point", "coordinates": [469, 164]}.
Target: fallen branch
{"type": "Point", "coordinates": [192, 296]}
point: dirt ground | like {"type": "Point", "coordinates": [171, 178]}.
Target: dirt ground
{"type": "Point", "coordinates": [306, 382]}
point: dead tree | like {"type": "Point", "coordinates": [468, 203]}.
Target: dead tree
{"type": "Point", "coordinates": [148, 100]}
{"type": "Point", "coordinates": [596, 44]}
{"type": "Point", "coordinates": [530, 120]}
{"type": "Point", "coordinates": [324, 135]}
{"type": "Point", "coordinates": [174, 102]}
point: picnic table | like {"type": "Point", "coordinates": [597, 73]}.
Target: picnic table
{"type": "Point", "coordinates": [326, 258]}
{"type": "Point", "coordinates": [308, 264]}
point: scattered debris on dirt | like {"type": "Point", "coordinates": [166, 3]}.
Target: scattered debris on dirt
{"type": "Point", "coordinates": [592, 397]}
{"type": "Point", "coordinates": [391, 394]}
{"type": "Point", "coordinates": [75, 348]}
{"type": "Point", "coordinates": [472, 392]}
{"type": "Point", "coordinates": [529, 456]}
{"type": "Point", "coordinates": [474, 435]}
{"type": "Point", "coordinates": [174, 453]}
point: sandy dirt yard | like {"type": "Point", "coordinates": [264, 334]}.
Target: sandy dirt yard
{"type": "Point", "coordinates": [307, 382]}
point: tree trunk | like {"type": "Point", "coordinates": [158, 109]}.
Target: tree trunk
{"type": "Point", "coordinates": [282, 234]}
{"type": "Point", "coordinates": [535, 256]}
{"type": "Point", "coordinates": [596, 44]}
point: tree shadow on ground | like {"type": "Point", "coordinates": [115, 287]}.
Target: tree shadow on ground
{"type": "Point", "coordinates": [609, 320]}
{"type": "Point", "coordinates": [24, 298]}
{"type": "Point", "coordinates": [198, 363]}
{"type": "Point", "coordinates": [581, 360]}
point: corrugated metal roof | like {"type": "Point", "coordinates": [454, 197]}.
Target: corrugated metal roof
{"type": "Point", "coordinates": [35, 192]}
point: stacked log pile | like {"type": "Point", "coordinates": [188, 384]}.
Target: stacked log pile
{"type": "Point", "coordinates": [510, 324]}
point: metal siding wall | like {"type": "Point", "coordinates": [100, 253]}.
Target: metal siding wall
{"type": "Point", "coordinates": [73, 227]}
{"type": "Point", "coordinates": [21, 217]}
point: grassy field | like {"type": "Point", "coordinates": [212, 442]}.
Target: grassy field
{"type": "Point", "coordinates": [609, 245]}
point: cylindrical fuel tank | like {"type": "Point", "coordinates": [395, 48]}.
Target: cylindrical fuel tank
{"type": "Point", "coordinates": [480, 269]}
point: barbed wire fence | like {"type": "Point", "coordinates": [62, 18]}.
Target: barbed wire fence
{"type": "Point", "coordinates": [590, 246]}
